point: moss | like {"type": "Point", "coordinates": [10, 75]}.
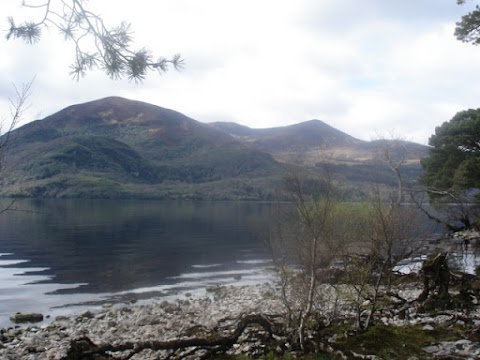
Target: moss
{"type": "Point", "coordinates": [390, 342]}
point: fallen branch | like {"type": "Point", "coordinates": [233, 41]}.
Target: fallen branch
{"type": "Point", "coordinates": [84, 348]}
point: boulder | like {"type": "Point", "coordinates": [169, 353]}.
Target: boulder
{"type": "Point", "coordinates": [26, 318]}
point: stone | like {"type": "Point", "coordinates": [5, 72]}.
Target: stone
{"type": "Point", "coordinates": [19, 318]}
{"type": "Point", "coordinates": [198, 315]}
{"type": "Point", "coordinates": [86, 315]}
{"type": "Point", "coordinates": [431, 349]}
{"type": "Point", "coordinates": [112, 323]}
{"type": "Point", "coordinates": [147, 320]}
{"type": "Point", "coordinates": [164, 304]}
{"type": "Point", "coordinates": [462, 342]}
{"type": "Point", "coordinates": [212, 288]}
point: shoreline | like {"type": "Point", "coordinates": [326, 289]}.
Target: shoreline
{"type": "Point", "coordinates": [197, 315]}
{"type": "Point", "coordinates": [142, 315]}
{"type": "Point", "coordinates": [52, 304]}
{"type": "Point", "coordinates": [159, 320]}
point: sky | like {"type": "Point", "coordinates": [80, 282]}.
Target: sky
{"type": "Point", "coordinates": [369, 68]}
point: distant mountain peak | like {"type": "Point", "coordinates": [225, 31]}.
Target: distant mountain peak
{"type": "Point", "coordinates": [117, 110]}
{"type": "Point", "coordinates": [313, 122]}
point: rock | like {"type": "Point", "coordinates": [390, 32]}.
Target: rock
{"type": "Point", "coordinates": [163, 320]}
{"type": "Point", "coordinates": [212, 288]}
{"type": "Point", "coordinates": [35, 344]}
{"type": "Point", "coordinates": [220, 293]}
{"type": "Point", "coordinates": [170, 308]}
{"type": "Point", "coordinates": [431, 349]}
{"type": "Point", "coordinates": [147, 320]}
{"type": "Point", "coordinates": [427, 320]}
{"type": "Point", "coordinates": [461, 343]}
{"type": "Point", "coordinates": [19, 318]}
{"type": "Point", "coordinates": [112, 324]}
{"type": "Point", "coordinates": [164, 304]}
{"type": "Point", "coordinates": [86, 315]}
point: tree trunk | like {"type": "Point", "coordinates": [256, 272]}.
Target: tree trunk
{"type": "Point", "coordinates": [436, 283]}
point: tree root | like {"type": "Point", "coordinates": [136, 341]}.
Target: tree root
{"type": "Point", "coordinates": [201, 347]}
{"type": "Point", "coordinates": [83, 348]}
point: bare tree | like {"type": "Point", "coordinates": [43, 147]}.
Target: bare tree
{"type": "Point", "coordinates": [393, 152]}
{"type": "Point", "coordinates": [388, 233]}
{"type": "Point", "coordinates": [18, 105]}
{"type": "Point", "coordinates": [397, 233]}
{"type": "Point", "coordinates": [280, 246]}
{"type": "Point", "coordinates": [312, 233]}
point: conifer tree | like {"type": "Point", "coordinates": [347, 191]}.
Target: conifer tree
{"type": "Point", "coordinates": [97, 45]}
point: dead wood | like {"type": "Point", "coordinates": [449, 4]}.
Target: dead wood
{"type": "Point", "coordinates": [436, 283]}
{"type": "Point", "coordinates": [84, 348]}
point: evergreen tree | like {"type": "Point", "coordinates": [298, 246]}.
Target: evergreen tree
{"type": "Point", "coordinates": [113, 46]}
{"type": "Point", "coordinates": [454, 160]}
{"type": "Point", "coordinates": [468, 28]}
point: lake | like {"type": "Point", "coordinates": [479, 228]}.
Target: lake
{"type": "Point", "coordinates": [57, 256]}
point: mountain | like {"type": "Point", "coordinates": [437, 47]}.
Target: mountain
{"type": "Point", "coordinates": [310, 144]}
{"type": "Point", "coordinates": [303, 135]}
{"type": "Point", "coordinates": [114, 147]}
{"type": "Point", "coordinates": [314, 141]}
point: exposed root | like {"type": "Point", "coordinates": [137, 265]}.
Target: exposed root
{"type": "Point", "coordinates": [84, 348]}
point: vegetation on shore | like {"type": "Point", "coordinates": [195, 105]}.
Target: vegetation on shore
{"type": "Point", "coordinates": [99, 154]}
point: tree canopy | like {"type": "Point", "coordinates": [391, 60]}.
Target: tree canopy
{"type": "Point", "coordinates": [468, 28]}
{"type": "Point", "coordinates": [96, 45]}
{"type": "Point", "coordinates": [454, 161]}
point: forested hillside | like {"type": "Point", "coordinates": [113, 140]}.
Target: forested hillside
{"type": "Point", "coordinates": [119, 148]}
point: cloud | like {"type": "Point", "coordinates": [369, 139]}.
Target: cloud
{"type": "Point", "coordinates": [362, 66]}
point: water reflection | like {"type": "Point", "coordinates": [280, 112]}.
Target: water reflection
{"type": "Point", "coordinates": [71, 247]}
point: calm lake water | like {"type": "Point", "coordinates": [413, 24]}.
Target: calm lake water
{"type": "Point", "coordinates": [59, 255]}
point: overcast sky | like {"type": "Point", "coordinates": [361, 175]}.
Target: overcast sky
{"type": "Point", "coordinates": [365, 67]}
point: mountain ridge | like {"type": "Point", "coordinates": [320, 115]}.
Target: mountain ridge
{"type": "Point", "coordinates": [116, 148]}
{"type": "Point", "coordinates": [312, 141]}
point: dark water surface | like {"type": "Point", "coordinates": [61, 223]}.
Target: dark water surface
{"type": "Point", "coordinates": [59, 252]}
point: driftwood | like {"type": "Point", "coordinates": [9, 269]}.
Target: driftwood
{"type": "Point", "coordinates": [85, 349]}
